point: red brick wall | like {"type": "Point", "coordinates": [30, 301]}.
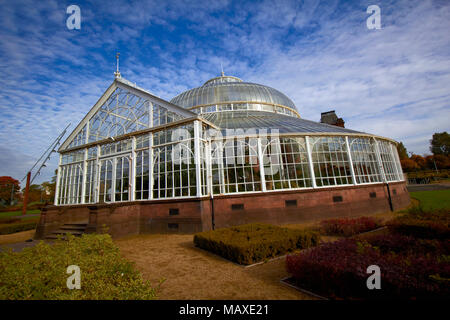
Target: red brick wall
{"type": "Point", "coordinates": [310, 204]}
{"type": "Point", "coordinates": [194, 215]}
{"type": "Point", "coordinates": [52, 217]}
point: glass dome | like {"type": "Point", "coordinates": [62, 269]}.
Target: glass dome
{"type": "Point", "coordinates": [228, 93]}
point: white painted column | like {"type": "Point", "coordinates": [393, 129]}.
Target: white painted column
{"type": "Point", "coordinates": [220, 165]}
{"type": "Point", "coordinates": [97, 175]}
{"type": "Point", "coordinates": [150, 165]}
{"type": "Point", "coordinates": [83, 187]}
{"type": "Point", "coordinates": [150, 114]}
{"type": "Point", "coordinates": [261, 166]}
{"type": "Point", "coordinates": [380, 162]}
{"type": "Point", "coordinates": [397, 165]}
{"type": "Point", "coordinates": [58, 183]}
{"type": "Point", "coordinates": [310, 162]}
{"type": "Point", "coordinates": [349, 152]}
{"type": "Point", "coordinates": [197, 159]}
{"type": "Point", "coordinates": [132, 183]}
{"type": "Point", "coordinates": [209, 168]}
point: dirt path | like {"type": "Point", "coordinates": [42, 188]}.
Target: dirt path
{"type": "Point", "coordinates": [16, 237]}
{"type": "Point", "coordinates": [193, 273]}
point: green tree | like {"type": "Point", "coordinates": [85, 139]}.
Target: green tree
{"type": "Point", "coordinates": [402, 152]}
{"type": "Point", "coordinates": [440, 144]}
{"type": "Point", "coordinates": [48, 191]}
{"type": "Point", "coordinates": [35, 193]}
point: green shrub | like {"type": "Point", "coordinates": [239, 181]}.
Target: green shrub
{"type": "Point", "coordinates": [256, 242]}
{"type": "Point", "coordinates": [17, 227]}
{"type": "Point", "coordinates": [39, 272]}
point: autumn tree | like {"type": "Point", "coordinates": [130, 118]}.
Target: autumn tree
{"type": "Point", "coordinates": [9, 189]}
{"type": "Point", "coordinates": [419, 160]}
{"type": "Point", "coordinates": [408, 165]}
{"type": "Point", "coordinates": [442, 162]}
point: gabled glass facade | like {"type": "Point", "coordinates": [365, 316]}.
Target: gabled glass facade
{"type": "Point", "coordinates": [134, 147]}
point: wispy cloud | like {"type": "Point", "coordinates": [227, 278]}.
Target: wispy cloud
{"type": "Point", "coordinates": [394, 82]}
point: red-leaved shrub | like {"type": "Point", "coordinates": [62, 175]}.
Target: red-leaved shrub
{"type": "Point", "coordinates": [339, 270]}
{"type": "Point", "coordinates": [420, 228]}
{"type": "Point", "coordinates": [408, 245]}
{"type": "Point", "coordinates": [348, 227]}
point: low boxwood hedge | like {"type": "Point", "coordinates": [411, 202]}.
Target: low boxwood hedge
{"type": "Point", "coordinates": [17, 227]}
{"type": "Point", "coordinates": [256, 242]}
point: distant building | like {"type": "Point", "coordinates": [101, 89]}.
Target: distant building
{"type": "Point", "coordinates": [330, 117]}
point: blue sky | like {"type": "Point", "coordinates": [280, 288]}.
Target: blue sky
{"type": "Point", "coordinates": [393, 82]}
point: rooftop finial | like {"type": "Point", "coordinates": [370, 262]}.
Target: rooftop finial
{"type": "Point", "coordinates": [117, 73]}
{"type": "Point", "coordinates": [221, 66]}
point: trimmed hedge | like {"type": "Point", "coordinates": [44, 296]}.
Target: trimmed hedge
{"type": "Point", "coordinates": [348, 227]}
{"type": "Point", "coordinates": [256, 242]}
{"type": "Point", "coordinates": [40, 272]}
{"type": "Point", "coordinates": [17, 227]}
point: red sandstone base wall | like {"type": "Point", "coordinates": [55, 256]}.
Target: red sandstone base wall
{"type": "Point", "coordinates": [53, 217]}
{"type": "Point", "coordinates": [307, 205]}
{"type": "Point", "coordinates": [195, 215]}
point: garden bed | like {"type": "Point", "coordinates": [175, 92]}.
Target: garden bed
{"type": "Point", "coordinates": [347, 227]}
{"type": "Point", "coordinates": [252, 243]}
{"type": "Point", "coordinates": [39, 272]}
{"type": "Point", "coordinates": [412, 256]}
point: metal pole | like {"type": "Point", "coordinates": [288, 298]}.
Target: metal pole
{"type": "Point", "coordinates": [12, 194]}
{"type": "Point", "coordinates": [27, 189]}
{"type": "Point", "coordinates": [435, 165]}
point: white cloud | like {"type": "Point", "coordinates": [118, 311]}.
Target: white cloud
{"type": "Point", "coordinates": [392, 82]}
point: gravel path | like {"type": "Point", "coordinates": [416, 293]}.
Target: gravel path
{"type": "Point", "coordinates": [428, 187]}
{"type": "Point", "coordinates": [193, 273]}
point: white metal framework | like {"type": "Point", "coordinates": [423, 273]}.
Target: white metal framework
{"type": "Point", "coordinates": [129, 148]}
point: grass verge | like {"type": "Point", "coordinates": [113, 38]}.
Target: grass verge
{"type": "Point", "coordinates": [433, 200]}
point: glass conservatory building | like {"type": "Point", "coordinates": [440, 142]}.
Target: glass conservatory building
{"type": "Point", "coordinates": [234, 146]}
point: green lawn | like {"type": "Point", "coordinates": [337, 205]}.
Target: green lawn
{"type": "Point", "coordinates": [18, 213]}
{"type": "Point", "coordinates": [429, 200]}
